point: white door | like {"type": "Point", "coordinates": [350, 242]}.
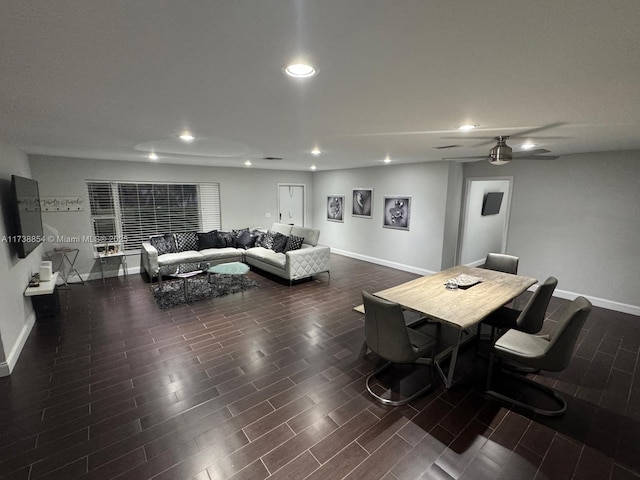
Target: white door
{"type": "Point", "coordinates": [291, 204]}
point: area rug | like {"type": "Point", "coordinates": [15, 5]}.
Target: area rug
{"type": "Point", "coordinates": [172, 292]}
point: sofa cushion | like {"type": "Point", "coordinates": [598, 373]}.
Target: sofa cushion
{"type": "Point", "coordinates": [186, 241]}
{"type": "Point", "coordinates": [221, 253]}
{"type": "Point", "coordinates": [190, 256]}
{"type": "Point", "coordinates": [310, 235]}
{"type": "Point", "coordinates": [164, 243]}
{"type": "Point", "coordinates": [267, 256]}
{"type": "Point", "coordinates": [282, 228]}
{"type": "Point", "coordinates": [279, 242]}
{"type": "Point", "coordinates": [293, 243]}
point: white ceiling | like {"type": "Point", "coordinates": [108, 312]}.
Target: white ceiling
{"type": "Point", "coordinates": [114, 79]}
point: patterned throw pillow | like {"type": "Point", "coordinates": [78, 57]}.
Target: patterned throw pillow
{"type": "Point", "coordinates": [267, 240]}
{"type": "Point", "coordinates": [259, 237]}
{"type": "Point", "coordinates": [164, 243]}
{"type": "Point", "coordinates": [279, 242]}
{"type": "Point", "coordinates": [186, 241]}
{"type": "Point", "coordinates": [294, 243]}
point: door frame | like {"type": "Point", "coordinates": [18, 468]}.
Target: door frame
{"type": "Point", "coordinates": [465, 207]}
{"type": "Point", "coordinates": [304, 200]}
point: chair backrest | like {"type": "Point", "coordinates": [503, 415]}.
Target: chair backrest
{"type": "Point", "coordinates": [564, 337]}
{"type": "Point", "coordinates": [531, 318]}
{"type": "Point", "coordinates": [385, 330]}
{"type": "Point", "coordinates": [501, 262]}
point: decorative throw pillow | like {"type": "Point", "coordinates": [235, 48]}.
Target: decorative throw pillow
{"type": "Point", "coordinates": [207, 240]}
{"type": "Point", "coordinates": [279, 242]}
{"type": "Point", "coordinates": [228, 239]}
{"type": "Point", "coordinates": [294, 243]}
{"type": "Point", "coordinates": [246, 240]}
{"type": "Point", "coordinates": [164, 243]}
{"type": "Point", "coordinates": [267, 240]}
{"type": "Point", "coordinates": [186, 241]}
{"type": "Point", "coordinates": [259, 237]}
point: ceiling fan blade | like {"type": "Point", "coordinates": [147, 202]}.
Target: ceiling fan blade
{"type": "Point", "coordinates": [537, 157]}
{"type": "Point", "coordinates": [467, 159]}
{"type": "Point", "coordinates": [526, 133]}
{"type": "Point", "coordinates": [528, 153]}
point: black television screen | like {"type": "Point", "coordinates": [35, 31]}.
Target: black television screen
{"type": "Point", "coordinates": [28, 220]}
{"type": "Point", "coordinates": [492, 202]}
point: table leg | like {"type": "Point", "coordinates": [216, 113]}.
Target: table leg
{"type": "Point", "coordinates": [453, 351]}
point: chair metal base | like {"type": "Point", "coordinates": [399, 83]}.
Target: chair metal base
{"type": "Point", "coordinates": [393, 403]}
{"type": "Point", "coordinates": [538, 386]}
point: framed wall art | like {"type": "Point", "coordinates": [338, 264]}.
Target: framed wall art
{"type": "Point", "coordinates": [397, 212]}
{"type": "Point", "coordinates": [362, 202]}
{"type": "Point", "coordinates": [335, 208]}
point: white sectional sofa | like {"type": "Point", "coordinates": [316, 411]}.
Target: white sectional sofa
{"type": "Point", "coordinates": [308, 260]}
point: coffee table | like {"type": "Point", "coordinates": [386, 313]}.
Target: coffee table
{"type": "Point", "coordinates": [186, 271]}
{"type": "Point", "coordinates": [231, 268]}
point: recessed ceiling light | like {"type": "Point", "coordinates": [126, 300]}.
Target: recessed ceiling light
{"type": "Point", "coordinates": [153, 156]}
{"type": "Point", "coordinates": [187, 137]}
{"type": "Point", "coordinates": [467, 127]}
{"type": "Point", "coordinates": [313, 167]}
{"type": "Point", "coordinates": [316, 151]}
{"type": "Point", "coordinates": [527, 146]}
{"type": "Point", "coordinates": [248, 163]}
{"type": "Point", "coordinates": [300, 70]}
{"type": "Point", "coordinates": [387, 159]}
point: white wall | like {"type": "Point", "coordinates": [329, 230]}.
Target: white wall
{"type": "Point", "coordinates": [17, 316]}
{"type": "Point", "coordinates": [482, 234]}
{"type": "Point", "coordinates": [577, 218]}
{"type": "Point", "coordinates": [421, 248]}
{"type": "Point", "coordinates": [247, 195]}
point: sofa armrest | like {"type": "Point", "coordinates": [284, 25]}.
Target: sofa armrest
{"type": "Point", "coordinates": [308, 261]}
{"type": "Point", "coordinates": [149, 259]}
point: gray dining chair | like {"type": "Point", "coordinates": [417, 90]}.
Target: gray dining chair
{"type": "Point", "coordinates": [501, 262]}
{"type": "Point", "coordinates": [387, 335]}
{"type": "Point", "coordinates": [530, 319]}
{"type": "Point", "coordinates": [548, 352]}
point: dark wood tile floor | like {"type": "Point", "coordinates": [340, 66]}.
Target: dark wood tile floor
{"type": "Point", "coordinates": [267, 384]}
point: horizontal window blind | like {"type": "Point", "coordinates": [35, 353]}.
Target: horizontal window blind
{"type": "Point", "coordinates": [139, 210]}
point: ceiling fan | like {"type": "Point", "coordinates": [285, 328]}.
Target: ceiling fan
{"type": "Point", "coordinates": [501, 153]}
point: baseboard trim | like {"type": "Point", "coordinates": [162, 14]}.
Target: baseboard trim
{"type": "Point", "coordinates": [567, 295]}
{"type": "Point", "coordinates": [384, 263]}
{"type": "Point", "coordinates": [7, 367]}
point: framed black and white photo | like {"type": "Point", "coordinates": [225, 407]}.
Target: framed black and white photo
{"type": "Point", "coordinates": [362, 202]}
{"type": "Point", "coordinates": [335, 208]}
{"type": "Point", "coordinates": [397, 212]}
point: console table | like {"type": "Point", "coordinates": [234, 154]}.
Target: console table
{"type": "Point", "coordinates": [44, 298]}
{"type": "Point", "coordinates": [122, 258]}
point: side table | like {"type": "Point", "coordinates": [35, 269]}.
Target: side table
{"type": "Point", "coordinates": [44, 298]}
{"type": "Point", "coordinates": [63, 260]}
{"type": "Point", "coordinates": [122, 258]}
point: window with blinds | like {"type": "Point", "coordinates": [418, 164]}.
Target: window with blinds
{"type": "Point", "coordinates": [129, 213]}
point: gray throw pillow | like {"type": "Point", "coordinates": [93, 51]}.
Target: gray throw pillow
{"type": "Point", "coordinates": [279, 242]}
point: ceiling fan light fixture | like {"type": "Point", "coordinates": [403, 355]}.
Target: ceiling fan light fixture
{"type": "Point", "coordinates": [501, 154]}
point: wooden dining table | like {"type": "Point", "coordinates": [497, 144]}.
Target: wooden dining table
{"type": "Point", "coordinates": [463, 308]}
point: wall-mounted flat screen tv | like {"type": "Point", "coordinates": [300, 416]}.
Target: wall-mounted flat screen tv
{"type": "Point", "coordinates": [492, 202]}
{"type": "Point", "coordinates": [27, 220]}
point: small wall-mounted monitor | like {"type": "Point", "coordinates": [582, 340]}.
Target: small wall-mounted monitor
{"type": "Point", "coordinates": [492, 202]}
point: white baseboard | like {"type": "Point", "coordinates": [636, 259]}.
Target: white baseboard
{"type": "Point", "coordinates": [596, 301]}
{"type": "Point", "coordinates": [7, 367]}
{"type": "Point", "coordinates": [384, 263]}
